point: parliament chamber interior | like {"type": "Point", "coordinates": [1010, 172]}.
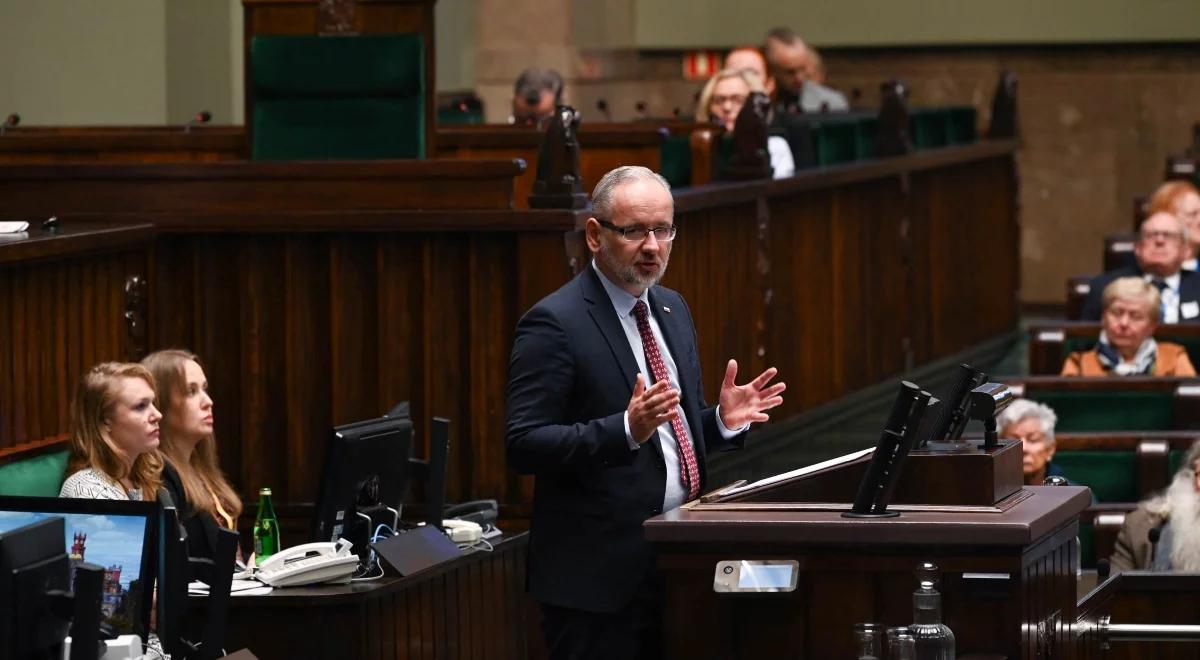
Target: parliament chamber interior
{"type": "Point", "coordinates": [318, 332]}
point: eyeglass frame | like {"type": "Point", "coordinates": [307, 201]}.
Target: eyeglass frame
{"type": "Point", "coordinates": [1155, 234]}
{"type": "Point", "coordinates": [624, 232]}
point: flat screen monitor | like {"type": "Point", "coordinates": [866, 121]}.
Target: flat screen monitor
{"type": "Point", "coordinates": [33, 561]}
{"type": "Point", "coordinates": [365, 473]}
{"type": "Point", "coordinates": [118, 536]}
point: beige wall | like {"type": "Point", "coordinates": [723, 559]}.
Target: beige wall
{"type": "Point", "coordinates": [199, 62]}
{"type": "Point", "coordinates": [83, 61]}
{"type": "Point", "coordinates": [457, 40]}
{"type": "Point", "coordinates": [706, 23]}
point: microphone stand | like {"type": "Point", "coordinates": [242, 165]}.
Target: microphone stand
{"type": "Point", "coordinates": [1154, 535]}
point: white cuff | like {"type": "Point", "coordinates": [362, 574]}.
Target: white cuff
{"type": "Point", "coordinates": [725, 433]}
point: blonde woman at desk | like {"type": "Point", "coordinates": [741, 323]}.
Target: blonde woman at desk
{"type": "Point", "coordinates": [192, 474]}
{"type": "Point", "coordinates": [114, 435]}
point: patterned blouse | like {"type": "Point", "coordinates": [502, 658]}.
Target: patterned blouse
{"type": "Point", "coordinates": [88, 484]}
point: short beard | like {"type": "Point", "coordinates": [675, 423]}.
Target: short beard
{"type": "Point", "coordinates": [1183, 504]}
{"type": "Point", "coordinates": [629, 274]}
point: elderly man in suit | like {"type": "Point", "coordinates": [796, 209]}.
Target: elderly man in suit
{"type": "Point", "coordinates": [606, 409]}
{"type": "Point", "coordinates": [1163, 533]}
{"type": "Point", "coordinates": [1161, 248]}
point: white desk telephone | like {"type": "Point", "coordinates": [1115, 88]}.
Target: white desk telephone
{"type": "Point", "coordinates": [311, 563]}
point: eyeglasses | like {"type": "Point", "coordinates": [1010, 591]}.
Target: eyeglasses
{"type": "Point", "coordinates": [637, 234]}
{"type": "Point", "coordinates": [1160, 234]}
{"type": "Point", "coordinates": [736, 99]}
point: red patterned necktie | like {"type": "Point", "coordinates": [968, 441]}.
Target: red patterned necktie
{"type": "Point", "coordinates": [689, 471]}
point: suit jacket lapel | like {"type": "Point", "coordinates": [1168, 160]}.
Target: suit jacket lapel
{"type": "Point", "coordinates": [679, 339]}
{"type": "Point", "coordinates": [605, 317]}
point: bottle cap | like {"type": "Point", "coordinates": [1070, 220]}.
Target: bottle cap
{"type": "Point", "coordinates": [265, 490]}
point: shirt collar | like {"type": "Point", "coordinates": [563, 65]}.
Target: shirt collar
{"type": "Point", "coordinates": [622, 300]}
{"type": "Point", "coordinates": [1172, 281]}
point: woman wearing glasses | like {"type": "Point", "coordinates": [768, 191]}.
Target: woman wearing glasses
{"type": "Point", "coordinates": [722, 99]}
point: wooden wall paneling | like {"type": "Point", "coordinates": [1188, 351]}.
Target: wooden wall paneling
{"type": "Point", "coordinates": [262, 432]}
{"type": "Point", "coordinates": [212, 309]}
{"type": "Point", "coordinates": [307, 338]}
{"type": "Point", "coordinates": [802, 336]}
{"type": "Point", "coordinates": [54, 305]}
{"type": "Point", "coordinates": [884, 258]}
{"type": "Point", "coordinates": [490, 332]}
{"type": "Point", "coordinates": [447, 350]}
{"type": "Point", "coordinates": [401, 291]}
{"type": "Point", "coordinates": [353, 336]}
{"type": "Point", "coordinates": [8, 390]}
{"type": "Point", "coordinates": [724, 288]}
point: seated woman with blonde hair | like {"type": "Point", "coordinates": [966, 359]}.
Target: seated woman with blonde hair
{"type": "Point", "coordinates": [722, 99]}
{"type": "Point", "coordinates": [192, 475]}
{"type": "Point", "coordinates": [114, 435]}
{"type": "Point", "coordinates": [1132, 308]}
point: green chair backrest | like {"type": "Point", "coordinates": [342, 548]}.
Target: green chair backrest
{"type": "Point", "coordinates": [928, 127]}
{"type": "Point", "coordinates": [1112, 475]}
{"type": "Point", "coordinates": [960, 128]}
{"type": "Point", "coordinates": [338, 97]}
{"type": "Point", "coordinates": [868, 129]}
{"type": "Point", "coordinates": [1109, 411]}
{"type": "Point", "coordinates": [836, 139]}
{"type": "Point", "coordinates": [676, 160]}
{"type": "Point", "coordinates": [452, 116]}
{"type": "Point", "coordinates": [40, 476]}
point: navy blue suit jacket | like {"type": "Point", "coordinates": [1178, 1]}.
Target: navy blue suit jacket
{"type": "Point", "coordinates": [1189, 291]}
{"type": "Point", "coordinates": [571, 376]}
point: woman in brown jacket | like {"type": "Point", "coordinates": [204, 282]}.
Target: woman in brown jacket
{"type": "Point", "coordinates": [1132, 308]}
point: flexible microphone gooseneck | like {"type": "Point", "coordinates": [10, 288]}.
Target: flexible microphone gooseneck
{"type": "Point", "coordinates": [1154, 535]}
{"type": "Point", "coordinates": [202, 117]}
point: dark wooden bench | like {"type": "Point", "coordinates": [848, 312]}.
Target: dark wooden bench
{"type": "Point", "coordinates": [1131, 403]}
{"type": "Point", "coordinates": [1051, 343]}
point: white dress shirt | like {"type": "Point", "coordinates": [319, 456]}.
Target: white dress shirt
{"type": "Point", "coordinates": [1170, 297]}
{"type": "Point", "coordinates": [623, 303]}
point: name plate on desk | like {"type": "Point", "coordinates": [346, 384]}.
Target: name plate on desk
{"type": "Point", "coordinates": [756, 576]}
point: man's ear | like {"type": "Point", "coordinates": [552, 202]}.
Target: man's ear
{"type": "Point", "coordinates": [591, 232]}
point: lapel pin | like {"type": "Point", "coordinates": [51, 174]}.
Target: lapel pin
{"type": "Point", "coordinates": [666, 309]}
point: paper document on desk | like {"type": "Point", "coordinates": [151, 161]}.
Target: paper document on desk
{"type": "Point", "coordinates": [236, 588]}
{"type": "Point", "coordinates": [804, 471]}
{"type": "Point", "coordinates": [13, 227]}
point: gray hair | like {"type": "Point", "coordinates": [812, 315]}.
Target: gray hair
{"type": "Point", "coordinates": [1025, 408]}
{"type": "Point", "coordinates": [533, 81]}
{"type": "Point", "coordinates": [606, 189]}
{"type": "Point", "coordinates": [1189, 461]}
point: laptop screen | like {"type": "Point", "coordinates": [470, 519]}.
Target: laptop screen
{"type": "Point", "coordinates": [116, 535]}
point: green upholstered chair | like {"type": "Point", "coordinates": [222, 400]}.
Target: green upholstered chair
{"type": "Point", "coordinates": [1112, 475]}
{"type": "Point", "coordinates": [355, 97]}
{"type": "Point", "coordinates": [675, 154]}
{"type": "Point", "coordinates": [1109, 411]}
{"type": "Point", "coordinates": [868, 128]}
{"type": "Point", "coordinates": [927, 127]}
{"type": "Point", "coordinates": [40, 476]}
{"type": "Point", "coordinates": [836, 139]}
{"type": "Point", "coordinates": [960, 125]}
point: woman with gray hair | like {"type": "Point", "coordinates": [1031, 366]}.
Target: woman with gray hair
{"type": "Point", "coordinates": [1033, 424]}
{"type": "Point", "coordinates": [1163, 534]}
{"type": "Point", "coordinates": [1127, 346]}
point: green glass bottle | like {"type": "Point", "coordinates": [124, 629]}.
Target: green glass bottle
{"type": "Point", "coordinates": [266, 527]}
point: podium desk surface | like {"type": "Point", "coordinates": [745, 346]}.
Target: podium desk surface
{"type": "Point", "coordinates": [1044, 510]}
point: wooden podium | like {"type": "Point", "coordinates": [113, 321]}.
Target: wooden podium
{"type": "Point", "coordinates": [1008, 566]}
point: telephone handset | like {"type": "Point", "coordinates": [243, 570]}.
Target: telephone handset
{"type": "Point", "coordinates": [311, 563]}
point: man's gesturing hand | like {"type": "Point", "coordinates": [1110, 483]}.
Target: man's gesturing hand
{"type": "Point", "coordinates": [649, 408]}
{"type": "Point", "coordinates": [743, 404]}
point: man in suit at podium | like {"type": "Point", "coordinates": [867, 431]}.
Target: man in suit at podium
{"type": "Point", "coordinates": [606, 409]}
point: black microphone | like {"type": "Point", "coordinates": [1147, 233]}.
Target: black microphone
{"type": "Point", "coordinates": [10, 121]}
{"type": "Point", "coordinates": [1154, 535]}
{"type": "Point", "coordinates": [202, 117]}
{"type": "Point", "coordinates": [1103, 569]}
{"type": "Point", "coordinates": [602, 106]}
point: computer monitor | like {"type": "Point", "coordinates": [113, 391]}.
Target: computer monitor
{"type": "Point", "coordinates": [33, 561]}
{"type": "Point", "coordinates": [116, 535]}
{"type": "Point", "coordinates": [365, 474]}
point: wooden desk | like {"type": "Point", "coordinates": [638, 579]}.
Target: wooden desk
{"type": "Point", "coordinates": [1139, 597]}
{"type": "Point", "coordinates": [863, 570]}
{"type": "Point", "coordinates": [603, 147]}
{"type": "Point", "coordinates": [472, 607]}
{"type": "Point", "coordinates": [127, 144]}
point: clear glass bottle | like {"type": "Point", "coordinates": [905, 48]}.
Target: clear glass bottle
{"type": "Point", "coordinates": [901, 645]}
{"type": "Point", "coordinates": [934, 640]}
{"type": "Point", "coordinates": [266, 528]}
{"type": "Point", "coordinates": [869, 639]}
